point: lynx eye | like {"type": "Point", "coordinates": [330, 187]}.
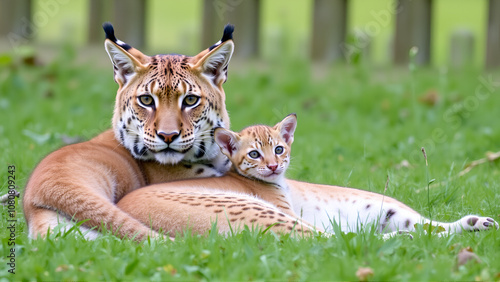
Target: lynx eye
{"type": "Point", "coordinates": [146, 100]}
{"type": "Point", "coordinates": [190, 100]}
{"type": "Point", "coordinates": [279, 150]}
{"type": "Point", "coordinates": [254, 154]}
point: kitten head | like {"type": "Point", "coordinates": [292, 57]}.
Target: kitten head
{"type": "Point", "coordinates": [260, 152]}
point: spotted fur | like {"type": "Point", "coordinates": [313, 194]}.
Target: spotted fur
{"type": "Point", "coordinates": [179, 206]}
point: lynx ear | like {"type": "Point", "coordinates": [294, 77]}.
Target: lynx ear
{"type": "Point", "coordinates": [227, 141]}
{"type": "Point", "coordinates": [213, 61]}
{"type": "Point", "coordinates": [127, 61]}
{"type": "Point", "coordinates": [287, 128]}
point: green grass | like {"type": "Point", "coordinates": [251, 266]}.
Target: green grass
{"type": "Point", "coordinates": [356, 126]}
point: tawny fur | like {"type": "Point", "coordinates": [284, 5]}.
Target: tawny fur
{"type": "Point", "coordinates": [231, 202]}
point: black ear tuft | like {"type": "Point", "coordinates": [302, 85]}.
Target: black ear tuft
{"type": "Point", "coordinates": [227, 35]}
{"type": "Point", "coordinates": [110, 34]}
{"type": "Point", "coordinates": [228, 32]}
{"type": "Point", "coordinates": [110, 31]}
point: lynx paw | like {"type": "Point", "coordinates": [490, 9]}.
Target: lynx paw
{"type": "Point", "coordinates": [478, 223]}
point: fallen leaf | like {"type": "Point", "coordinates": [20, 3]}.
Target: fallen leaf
{"type": "Point", "coordinates": [364, 273]}
{"type": "Point", "coordinates": [465, 255]}
{"type": "Point", "coordinates": [430, 98]}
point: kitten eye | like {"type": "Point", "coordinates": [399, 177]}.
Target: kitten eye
{"type": "Point", "coordinates": [254, 154]}
{"type": "Point", "coordinates": [279, 150]}
{"type": "Point", "coordinates": [190, 100]}
{"type": "Point", "coordinates": [146, 100]}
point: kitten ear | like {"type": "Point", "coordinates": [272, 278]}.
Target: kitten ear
{"type": "Point", "coordinates": [213, 62]}
{"type": "Point", "coordinates": [127, 61]}
{"type": "Point", "coordinates": [227, 141]}
{"type": "Point", "coordinates": [287, 128]}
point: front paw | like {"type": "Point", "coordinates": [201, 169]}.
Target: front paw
{"type": "Point", "coordinates": [478, 223]}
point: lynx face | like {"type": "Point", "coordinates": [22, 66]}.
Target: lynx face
{"type": "Point", "coordinates": [259, 152]}
{"type": "Point", "coordinates": [167, 106]}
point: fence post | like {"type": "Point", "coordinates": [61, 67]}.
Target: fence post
{"type": "Point", "coordinates": [329, 29]}
{"type": "Point", "coordinates": [413, 28]}
{"type": "Point", "coordinates": [129, 17]}
{"type": "Point", "coordinates": [16, 22]}
{"type": "Point", "coordinates": [493, 41]}
{"type": "Point", "coordinates": [213, 20]}
{"type": "Point", "coordinates": [244, 14]}
{"type": "Point", "coordinates": [99, 12]}
{"type": "Point", "coordinates": [246, 19]}
{"type": "Point", "coordinates": [462, 48]}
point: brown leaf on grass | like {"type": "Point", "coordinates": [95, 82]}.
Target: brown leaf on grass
{"type": "Point", "coordinates": [364, 273]}
{"type": "Point", "coordinates": [430, 98]}
{"type": "Point", "coordinates": [465, 255]}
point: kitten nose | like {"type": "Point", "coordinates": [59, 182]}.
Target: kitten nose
{"type": "Point", "coordinates": [168, 137]}
{"type": "Point", "coordinates": [272, 167]}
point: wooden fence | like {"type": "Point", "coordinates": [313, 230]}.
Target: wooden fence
{"type": "Point", "coordinates": [413, 26]}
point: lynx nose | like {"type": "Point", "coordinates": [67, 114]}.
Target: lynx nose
{"type": "Point", "coordinates": [168, 137]}
{"type": "Point", "coordinates": [272, 167]}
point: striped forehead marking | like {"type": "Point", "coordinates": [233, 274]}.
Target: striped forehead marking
{"type": "Point", "coordinates": [259, 136]}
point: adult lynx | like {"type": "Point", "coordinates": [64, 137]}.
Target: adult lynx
{"type": "Point", "coordinates": [167, 107]}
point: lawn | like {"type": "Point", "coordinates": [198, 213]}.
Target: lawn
{"type": "Point", "coordinates": [357, 126]}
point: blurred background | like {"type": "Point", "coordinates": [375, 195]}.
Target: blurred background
{"type": "Point", "coordinates": [447, 32]}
